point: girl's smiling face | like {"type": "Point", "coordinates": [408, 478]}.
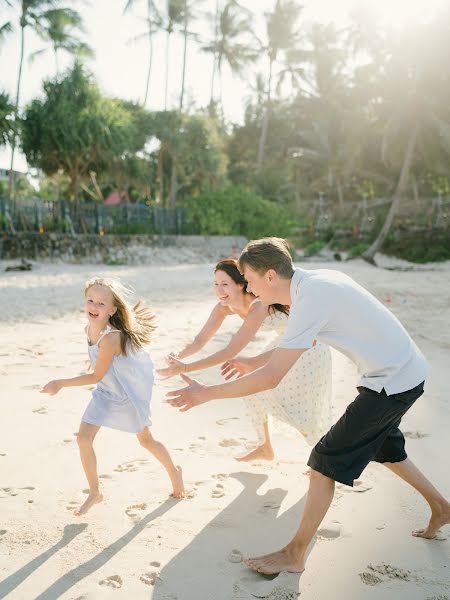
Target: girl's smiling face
{"type": "Point", "coordinates": [227, 291]}
{"type": "Point", "coordinates": [99, 304]}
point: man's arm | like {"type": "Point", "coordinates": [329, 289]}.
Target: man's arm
{"type": "Point", "coordinates": [265, 378]}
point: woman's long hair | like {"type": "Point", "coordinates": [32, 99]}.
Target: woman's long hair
{"type": "Point", "coordinates": [230, 267]}
{"type": "Point", "coordinates": [135, 323]}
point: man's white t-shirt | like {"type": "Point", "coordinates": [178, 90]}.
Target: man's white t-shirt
{"type": "Point", "coordinates": [329, 306]}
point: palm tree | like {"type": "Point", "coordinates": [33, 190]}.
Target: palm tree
{"type": "Point", "coordinates": [232, 24]}
{"type": "Point", "coordinates": [331, 121]}
{"type": "Point", "coordinates": [61, 31]}
{"type": "Point", "coordinates": [175, 16]}
{"type": "Point", "coordinates": [39, 16]}
{"type": "Point", "coordinates": [413, 89]}
{"type": "Point", "coordinates": [282, 35]}
{"type": "Point", "coordinates": [188, 15]}
{"type": "Point", "coordinates": [153, 21]}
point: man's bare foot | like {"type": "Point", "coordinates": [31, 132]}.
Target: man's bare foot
{"type": "Point", "coordinates": [177, 484]}
{"type": "Point", "coordinates": [438, 519]}
{"type": "Point", "coordinates": [274, 563]}
{"type": "Point", "coordinates": [89, 503]}
{"type": "Point", "coordinates": [263, 452]}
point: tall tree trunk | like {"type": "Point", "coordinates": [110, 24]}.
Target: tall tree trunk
{"type": "Point", "coordinates": [340, 194]}
{"type": "Point", "coordinates": [16, 108]}
{"type": "Point", "coordinates": [185, 34]}
{"type": "Point", "coordinates": [166, 88]}
{"type": "Point", "coordinates": [213, 76]}
{"type": "Point", "coordinates": [369, 254]}
{"type": "Point", "coordinates": [161, 175]}
{"type": "Point", "coordinates": [55, 49]}
{"type": "Point", "coordinates": [150, 54]}
{"type": "Point", "coordinates": [265, 124]}
{"type": "Point", "coordinates": [173, 185]}
{"type": "Point", "coordinates": [415, 189]}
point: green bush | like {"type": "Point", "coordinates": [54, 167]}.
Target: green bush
{"type": "Point", "coordinates": [314, 247]}
{"type": "Point", "coordinates": [357, 249]}
{"type": "Point", "coordinates": [235, 211]}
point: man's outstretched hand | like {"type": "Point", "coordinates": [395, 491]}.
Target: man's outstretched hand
{"type": "Point", "coordinates": [193, 395]}
{"type": "Point", "coordinates": [239, 366]}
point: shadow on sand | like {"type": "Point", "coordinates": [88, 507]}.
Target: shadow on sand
{"type": "Point", "coordinates": [72, 577]}
{"type": "Point", "coordinates": [250, 524]}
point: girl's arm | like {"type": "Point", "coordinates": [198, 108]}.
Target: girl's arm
{"type": "Point", "coordinates": [215, 320]}
{"type": "Point", "coordinates": [109, 347]}
{"type": "Point", "coordinates": [241, 338]}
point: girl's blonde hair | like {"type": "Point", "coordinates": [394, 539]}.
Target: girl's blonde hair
{"type": "Point", "coordinates": [135, 323]}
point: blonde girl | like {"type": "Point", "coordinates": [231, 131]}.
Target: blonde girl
{"type": "Point", "coordinates": [123, 371]}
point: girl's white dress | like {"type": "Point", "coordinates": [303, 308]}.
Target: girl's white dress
{"type": "Point", "coordinates": [302, 399]}
{"type": "Point", "coordinates": [121, 399]}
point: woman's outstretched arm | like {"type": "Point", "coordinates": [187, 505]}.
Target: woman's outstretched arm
{"type": "Point", "coordinates": [213, 323]}
{"type": "Point", "coordinates": [240, 339]}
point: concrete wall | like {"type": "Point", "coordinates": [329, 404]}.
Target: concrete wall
{"type": "Point", "coordinates": [118, 249]}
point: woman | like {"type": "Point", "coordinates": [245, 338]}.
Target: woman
{"type": "Point", "coordinates": [302, 399]}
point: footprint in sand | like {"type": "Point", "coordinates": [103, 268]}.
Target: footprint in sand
{"type": "Point", "coordinates": [72, 505]}
{"type": "Point", "coordinates": [227, 420]}
{"type": "Point", "coordinates": [131, 465]}
{"type": "Point", "coordinates": [220, 476]}
{"type": "Point", "coordinates": [114, 581]}
{"type": "Point", "coordinates": [3, 531]}
{"type": "Point", "coordinates": [217, 493]}
{"type": "Point", "coordinates": [35, 386]}
{"type": "Point", "coordinates": [370, 578]}
{"type": "Point", "coordinates": [414, 435]}
{"type": "Point", "coordinates": [331, 532]}
{"type": "Point", "coordinates": [155, 563]}
{"type": "Point", "coordinates": [105, 476]}
{"type": "Point", "coordinates": [149, 578]}
{"type": "Point", "coordinates": [2, 453]}
{"type": "Point", "coordinates": [11, 491]}
{"type": "Point", "coordinates": [235, 556]}
{"type": "Point", "coordinates": [42, 410]}
{"type": "Point", "coordinates": [133, 510]}
{"type": "Point", "coordinates": [228, 443]}
{"type": "Point", "coordinates": [387, 572]}
{"type": "Point", "coordinates": [268, 506]}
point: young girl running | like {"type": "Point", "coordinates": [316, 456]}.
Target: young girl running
{"type": "Point", "coordinates": [123, 372]}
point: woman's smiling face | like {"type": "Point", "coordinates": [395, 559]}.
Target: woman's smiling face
{"type": "Point", "coordinates": [227, 291]}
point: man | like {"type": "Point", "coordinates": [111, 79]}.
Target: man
{"type": "Point", "coordinates": [329, 306]}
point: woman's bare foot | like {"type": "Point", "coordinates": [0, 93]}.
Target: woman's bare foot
{"type": "Point", "coordinates": [439, 518]}
{"type": "Point", "coordinates": [264, 452]}
{"type": "Point", "coordinates": [272, 564]}
{"type": "Point", "coordinates": [177, 484]}
{"type": "Point", "coordinates": [89, 503]}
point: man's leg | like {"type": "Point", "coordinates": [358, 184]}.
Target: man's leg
{"type": "Point", "coordinates": [292, 557]}
{"type": "Point", "coordinates": [440, 507]}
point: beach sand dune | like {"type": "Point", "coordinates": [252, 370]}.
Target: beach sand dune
{"type": "Point", "coordinates": [140, 543]}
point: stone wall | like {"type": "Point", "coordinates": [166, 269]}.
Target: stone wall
{"type": "Point", "coordinates": [118, 249]}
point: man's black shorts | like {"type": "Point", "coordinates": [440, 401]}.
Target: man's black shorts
{"type": "Point", "coordinates": [368, 430]}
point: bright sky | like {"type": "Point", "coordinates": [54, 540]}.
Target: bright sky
{"type": "Point", "coordinates": [120, 66]}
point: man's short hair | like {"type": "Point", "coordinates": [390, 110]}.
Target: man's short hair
{"type": "Point", "coordinates": [268, 253]}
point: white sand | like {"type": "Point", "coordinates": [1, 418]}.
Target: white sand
{"type": "Point", "coordinates": [140, 544]}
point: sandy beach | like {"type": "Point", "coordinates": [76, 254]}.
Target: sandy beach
{"type": "Point", "coordinates": [140, 543]}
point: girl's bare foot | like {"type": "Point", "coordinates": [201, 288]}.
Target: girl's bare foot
{"type": "Point", "coordinates": [439, 518]}
{"type": "Point", "coordinates": [272, 564]}
{"type": "Point", "coordinates": [89, 503]}
{"type": "Point", "coordinates": [263, 452]}
{"type": "Point", "coordinates": [177, 484]}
